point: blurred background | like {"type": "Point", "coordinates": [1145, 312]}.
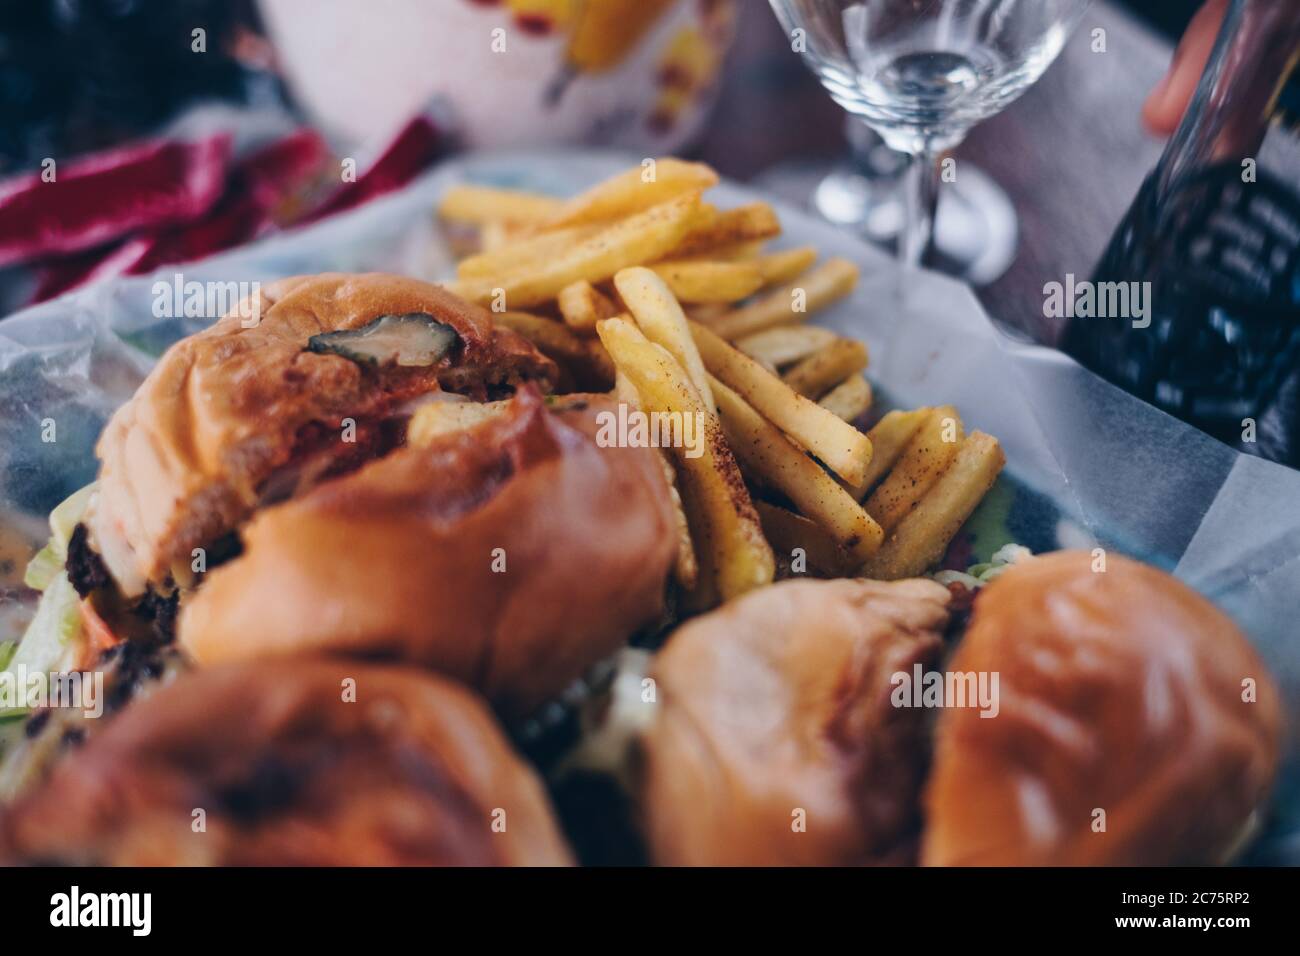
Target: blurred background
{"type": "Point", "coordinates": [78, 76]}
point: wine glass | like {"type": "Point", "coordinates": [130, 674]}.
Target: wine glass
{"type": "Point", "coordinates": [921, 73]}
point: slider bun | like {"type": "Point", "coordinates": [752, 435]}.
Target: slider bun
{"type": "Point", "coordinates": [412, 771]}
{"type": "Point", "coordinates": [403, 559]}
{"type": "Point", "coordinates": [780, 702]}
{"type": "Point", "coordinates": [188, 457]}
{"type": "Point", "coordinates": [1119, 691]}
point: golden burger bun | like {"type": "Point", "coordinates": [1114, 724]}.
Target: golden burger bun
{"type": "Point", "coordinates": [222, 416]}
{"type": "Point", "coordinates": [774, 740]}
{"type": "Point", "coordinates": [1135, 726]}
{"type": "Point", "coordinates": [303, 763]}
{"type": "Point", "coordinates": [511, 556]}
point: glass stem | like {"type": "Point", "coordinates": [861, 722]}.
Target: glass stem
{"type": "Point", "coordinates": [921, 196]}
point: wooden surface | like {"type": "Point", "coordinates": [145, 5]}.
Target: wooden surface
{"type": "Point", "coordinates": [1071, 152]}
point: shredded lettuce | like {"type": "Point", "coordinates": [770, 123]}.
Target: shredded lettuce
{"type": "Point", "coordinates": [54, 638]}
{"type": "Point", "coordinates": [65, 517]}
{"type": "Point", "coordinates": [978, 575]}
{"type": "Point", "coordinates": [50, 560]}
{"type": "Point", "coordinates": [43, 567]}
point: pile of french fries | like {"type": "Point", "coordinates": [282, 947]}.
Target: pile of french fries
{"type": "Point", "coordinates": [642, 286]}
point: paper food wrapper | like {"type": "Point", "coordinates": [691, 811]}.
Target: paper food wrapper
{"type": "Point", "coordinates": [1088, 465]}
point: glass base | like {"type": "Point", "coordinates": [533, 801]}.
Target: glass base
{"type": "Point", "coordinates": [976, 230]}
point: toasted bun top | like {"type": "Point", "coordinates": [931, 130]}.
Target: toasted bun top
{"type": "Point", "coordinates": [1135, 724]}
{"type": "Point", "coordinates": [186, 459]}
{"type": "Point", "coordinates": [778, 704]}
{"type": "Point", "coordinates": [512, 555]}
{"type": "Point", "coordinates": [300, 763]}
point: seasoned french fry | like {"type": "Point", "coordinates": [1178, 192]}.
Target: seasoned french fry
{"type": "Point", "coordinates": [763, 449]}
{"type": "Point", "coordinates": [844, 449]}
{"type": "Point", "coordinates": [820, 286]}
{"type": "Point", "coordinates": [714, 494]}
{"type": "Point", "coordinates": [889, 437]}
{"type": "Point", "coordinates": [920, 540]}
{"type": "Point", "coordinates": [439, 418]}
{"type": "Point", "coordinates": [530, 250]}
{"type": "Point", "coordinates": [787, 265]}
{"type": "Point", "coordinates": [785, 343]}
{"type": "Point", "coordinates": [743, 224]}
{"type": "Point", "coordinates": [686, 566]}
{"type": "Point", "coordinates": [660, 317]}
{"type": "Point", "coordinates": [788, 532]}
{"type": "Point", "coordinates": [819, 372]}
{"type": "Point", "coordinates": [636, 190]}
{"type": "Point", "coordinates": [483, 204]}
{"type": "Point", "coordinates": [583, 305]}
{"type": "Point", "coordinates": [926, 457]}
{"type": "Point", "coordinates": [700, 280]}
{"type": "Point", "coordinates": [643, 237]}
{"type": "Point", "coordinates": [849, 400]}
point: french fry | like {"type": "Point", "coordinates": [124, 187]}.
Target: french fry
{"type": "Point", "coordinates": [764, 450]}
{"type": "Point", "coordinates": [819, 372]}
{"type": "Point", "coordinates": [844, 449]}
{"type": "Point", "coordinates": [735, 252]}
{"type": "Point", "coordinates": [440, 418]}
{"type": "Point", "coordinates": [642, 237]}
{"type": "Point", "coordinates": [636, 190]}
{"type": "Point", "coordinates": [706, 311]}
{"type": "Point", "coordinates": [493, 235]}
{"type": "Point", "coordinates": [660, 317]}
{"type": "Point", "coordinates": [701, 280]}
{"type": "Point", "coordinates": [686, 566]}
{"type": "Point", "coordinates": [926, 457]}
{"type": "Point", "coordinates": [584, 358]}
{"type": "Point", "coordinates": [583, 305]}
{"type": "Point", "coordinates": [723, 518]}
{"type": "Point", "coordinates": [785, 343]}
{"type": "Point", "coordinates": [479, 205]}
{"type": "Point", "coordinates": [787, 531]}
{"type": "Point", "coordinates": [743, 224]}
{"type": "Point", "coordinates": [849, 400]}
{"type": "Point", "coordinates": [787, 265]}
{"type": "Point", "coordinates": [815, 289]}
{"type": "Point", "coordinates": [888, 438]}
{"type": "Point", "coordinates": [920, 540]}
{"type": "Point", "coordinates": [530, 250]}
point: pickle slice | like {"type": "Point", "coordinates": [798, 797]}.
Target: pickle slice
{"type": "Point", "coordinates": [413, 339]}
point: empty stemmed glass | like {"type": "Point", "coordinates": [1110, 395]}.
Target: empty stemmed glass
{"type": "Point", "coordinates": [921, 73]}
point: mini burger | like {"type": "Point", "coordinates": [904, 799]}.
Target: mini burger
{"type": "Point", "coordinates": [512, 555]}
{"type": "Point", "coordinates": [301, 763]}
{"type": "Point", "coordinates": [273, 462]}
{"type": "Point", "coordinates": [1136, 725]}
{"type": "Point", "coordinates": [1132, 725]}
{"type": "Point", "coordinates": [774, 741]}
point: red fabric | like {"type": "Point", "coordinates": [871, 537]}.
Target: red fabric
{"type": "Point", "coordinates": [106, 196]}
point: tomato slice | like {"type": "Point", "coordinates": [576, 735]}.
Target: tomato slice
{"type": "Point", "coordinates": [101, 636]}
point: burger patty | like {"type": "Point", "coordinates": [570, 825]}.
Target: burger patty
{"type": "Point", "coordinates": [85, 567]}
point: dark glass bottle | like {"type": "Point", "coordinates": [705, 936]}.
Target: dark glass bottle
{"type": "Point", "coordinates": [1215, 231]}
